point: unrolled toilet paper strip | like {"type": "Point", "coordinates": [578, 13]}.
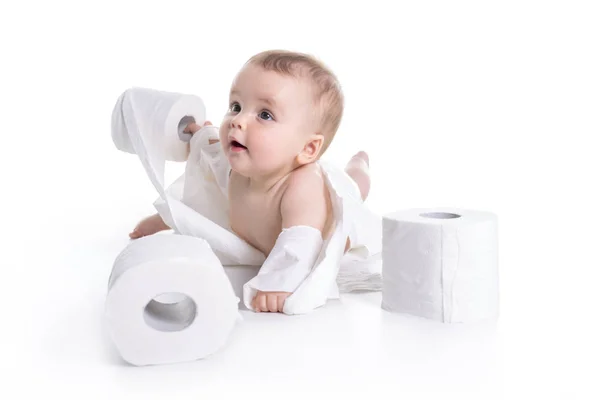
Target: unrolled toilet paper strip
{"type": "Point", "coordinates": [145, 122]}
{"type": "Point", "coordinates": [169, 300]}
{"type": "Point", "coordinates": [441, 264]}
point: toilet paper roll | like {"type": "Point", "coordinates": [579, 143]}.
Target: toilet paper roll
{"type": "Point", "coordinates": [169, 300]}
{"type": "Point", "coordinates": [162, 112]}
{"type": "Point", "coordinates": [441, 264]}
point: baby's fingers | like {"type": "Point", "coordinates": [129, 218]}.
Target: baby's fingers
{"type": "Point", "coordinates": [261, 302]}
{"type": "Point", "coordinates": [272, 301]}
{"type": "Point", "coordinates": [280, 302]}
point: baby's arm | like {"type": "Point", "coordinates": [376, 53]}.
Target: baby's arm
{"type": "Point", "coordinates": [304, 203]}
{"type": "Point", "coordinates": [305, 200]}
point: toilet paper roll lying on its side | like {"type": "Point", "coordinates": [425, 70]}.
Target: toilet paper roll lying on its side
{"type": "Point", "coordinates": [158, 131]}
{"type": "Point", "coordinates": [441, 264]}
{"type": "Point", "coordinates": [169, 300]}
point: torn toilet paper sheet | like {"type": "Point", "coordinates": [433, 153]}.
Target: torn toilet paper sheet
{"type": "Point", "coordinates": [196, 203]}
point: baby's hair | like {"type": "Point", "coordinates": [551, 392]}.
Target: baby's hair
{"type": "Point", "coordinates": [329, 96]}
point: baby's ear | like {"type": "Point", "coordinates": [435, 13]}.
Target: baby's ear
{"type": "Point", "coordinates": [311, 149]}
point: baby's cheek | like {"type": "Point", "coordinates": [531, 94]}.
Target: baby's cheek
{"type": "Point", "coordinates": [223, 132]}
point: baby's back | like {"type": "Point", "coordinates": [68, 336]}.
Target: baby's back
{"type": "Point", "coordinates": [256, 216]}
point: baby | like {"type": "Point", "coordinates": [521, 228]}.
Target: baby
{"type": "Point", "coordinates": [284, 110]}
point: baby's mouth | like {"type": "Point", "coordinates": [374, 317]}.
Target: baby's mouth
{"type": "Point", "coordinates": [237, 145]}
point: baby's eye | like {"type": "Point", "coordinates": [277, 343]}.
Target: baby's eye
{"type": "Point", "coordinates": [235, 107]}
{"type": "Point", "coordinates": [266, 115]}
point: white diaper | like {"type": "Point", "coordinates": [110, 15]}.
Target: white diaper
{"type": "Point", "coordinates": [301, 262]}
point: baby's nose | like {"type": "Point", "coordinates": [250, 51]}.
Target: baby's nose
{"type": "Point", "coordinates": [238, 123]}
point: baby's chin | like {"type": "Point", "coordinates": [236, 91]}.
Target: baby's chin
{"type": "Point", "coordinates": [248, 171]}
{"type": "Point", "coordinates": [239, 168]}
{"type": "Point", "coordinates": [239, 171]}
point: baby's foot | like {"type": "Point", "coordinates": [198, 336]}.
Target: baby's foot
{"type": "Point", "coordinates": [148, 226]}
{"type": "Point", "coordinates": [358, 169]}
{"type": "Point", "coordinates": [363, 156]}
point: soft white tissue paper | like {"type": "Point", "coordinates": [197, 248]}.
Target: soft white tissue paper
{"type": "Point", "coordinates": [196, 203]}
{"type": "Point", "coordinates": [157, 132]}
{"type": "Point", "coordinates": [441, 264]}
{"type": "Point", "coordinates": [169, 300]}
{"type": "Point", "coordinates": [238, 276]}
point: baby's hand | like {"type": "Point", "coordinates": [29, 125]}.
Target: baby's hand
{"type": "Point", "coordinates": [269, 301]}
{"type": "Point", "coordinates": [193, 127]}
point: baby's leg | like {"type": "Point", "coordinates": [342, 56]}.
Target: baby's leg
{"type": "Point", "coordinates": [149, 226]}
{"type": "Point", "coordinates": [358, 169]}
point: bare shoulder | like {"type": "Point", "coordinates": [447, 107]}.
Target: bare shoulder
{"type": "Point", "coordinates": [306, 198]}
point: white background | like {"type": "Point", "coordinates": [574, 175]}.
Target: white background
{"type": "Point", "coordinates": [482, 105]}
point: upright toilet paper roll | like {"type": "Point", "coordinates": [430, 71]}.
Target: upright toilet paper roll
{"type": "Point", "coordinates": [169, 300]}
{"type": "Point", "coordinates": [441, 264]}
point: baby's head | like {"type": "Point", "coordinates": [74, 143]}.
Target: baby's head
{"type": "Point", "coordinates": [284, 110]}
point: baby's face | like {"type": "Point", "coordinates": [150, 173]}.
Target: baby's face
{"type": "Point", "coordinates": [268, 121]}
